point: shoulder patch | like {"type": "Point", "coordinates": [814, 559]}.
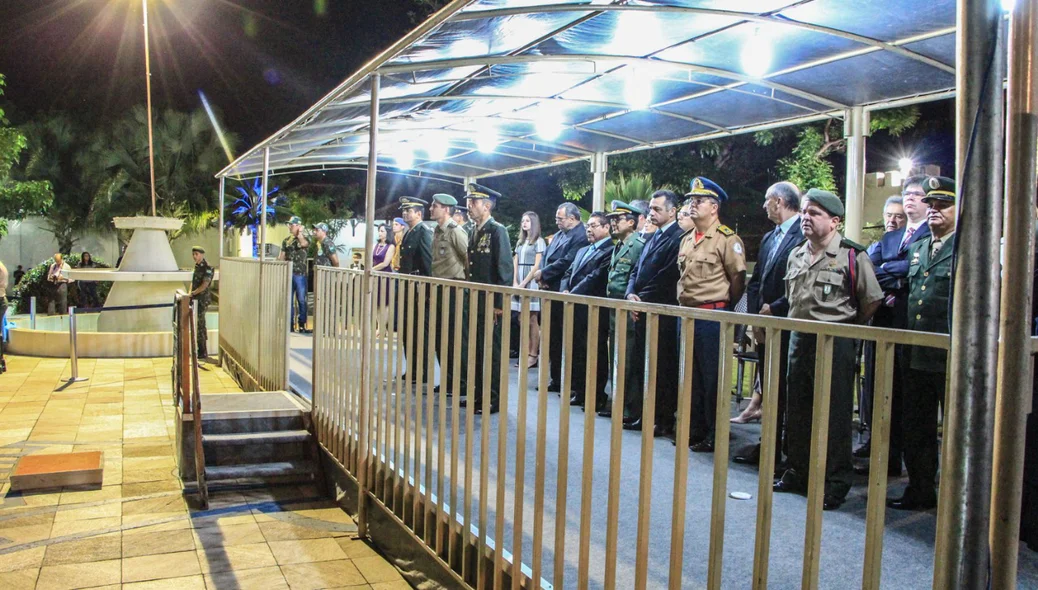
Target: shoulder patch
{"type": "Point", "coordinates": [725, 230]}
{"type": "Point", "coordinates": [852, 244]}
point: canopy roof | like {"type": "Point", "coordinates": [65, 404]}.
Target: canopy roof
{"type": "Point", "coordinates": [488, 87]}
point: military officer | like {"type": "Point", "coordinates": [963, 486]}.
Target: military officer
{"type": "Point", "coordinates": [713, 276]}
{"type": "Point", "coordinates": [490, 262]}
{"type": "Point", "coordinates": [623, 221]}
{"type": "Point", "coordinates": [461, 217]}
{"type": "Point", "coordinates": [326, 253]}
{"type": "Point", "coordinates": [200, 283]}
{"type": "Point", "coordinates": [923, 373]}
{"type": "Point", "coordinates": [416, 259]}
{"type": "Point", "coordinates": [449, 259]}
{"type": "Point", "coordinates": [829, 279]}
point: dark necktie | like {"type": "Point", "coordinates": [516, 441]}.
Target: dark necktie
{"type": "Point", "coordinates": [906, 240]}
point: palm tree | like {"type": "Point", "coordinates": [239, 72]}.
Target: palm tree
{"type": "Point", "coordinates": [636, 187]}
{"type": "Point", "coordinates": [245, 212]}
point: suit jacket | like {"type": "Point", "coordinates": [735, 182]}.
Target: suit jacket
{"type": "Point", "coordinates": [591, 277]}
{"type": "Point", "coordinates": [892, 272]}
{"type": "Point", "coordinates": [768, 283]}
{"type": "Point", "coordinates": [655, 278]}
{"type": "Point", "coordinates": [416, 251]}
{"type": "Point", "coordinates": [559, 257]}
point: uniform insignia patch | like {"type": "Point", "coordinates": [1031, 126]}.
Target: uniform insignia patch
{"type": "Point", "coordinates": [934, 183]}
{"type": "Point", "coordinates": [725, 230]}
{"type": "Point", "coordinates": [737, 248]}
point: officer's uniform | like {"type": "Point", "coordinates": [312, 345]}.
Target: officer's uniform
{"type": "Point", "coordinates": [416, 259]}
{"type": "Point", "coordinates": [449, 260]}
{"type": "Point", "coordinates": [929, 293]}
{"type": "Point", "coordinates": [490, 262]}
{"type": "Point", "coordinates": [467, 224]}
{"type": "Point", "coordinates": [203, 275]}
{"type": "Point", "coordinates": [833, 288]}
{"type": "Point", "coordinates": [709, 262]}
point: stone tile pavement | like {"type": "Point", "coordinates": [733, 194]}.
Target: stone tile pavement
{"type": "Point", "coordinates": [137, 530]}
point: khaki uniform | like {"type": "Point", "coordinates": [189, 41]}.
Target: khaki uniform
{"type": "Point", "coordinates": [831, 289]}
{"type": "Point", "coordinates": [449, 251]}
{"type": "Point", "coordinates": [708, 267]}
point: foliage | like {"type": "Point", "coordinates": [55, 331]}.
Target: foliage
{"type": "Point", "coordinates": [805, 167]}
{"type": "Point", "coordinates": [627, 188]}
{"type": "Point", "coordinates": [35, 284]}
{"type": "Point", "coordinates": [424, 8]}
{"type": "Point", "coordinates": [246, 211]}
{"type": "Point", "coordinates": [18, 197]}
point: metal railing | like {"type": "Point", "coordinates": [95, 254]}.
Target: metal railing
{"type": "Point", "coordinates": [255, 318]}
{"type": "Point", "coordinates": [428, 463]}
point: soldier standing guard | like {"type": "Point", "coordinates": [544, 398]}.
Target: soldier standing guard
{"type": "Point", "coordinates": [200, 282]}
{"type": "Point", "coordinates": [713, 276]}
{"type": "Point", "coordinates": [416, 259]}
{"type": "Point", "coordinates": [828, 279]}
{"type": "Point", "coordinates": [490, 263]}
{"type": "Point", "coordinates": [449, 261]}
{"type": "Point", "coordinates": [623, 223]}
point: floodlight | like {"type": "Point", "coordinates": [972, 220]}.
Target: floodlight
{"type": "Point", "coordinates": [756, 54]}
{"type": "Point", "coordinates": [487, 140]}
{"type": "Point", "coordinates": [403, 156]}
{"type": "Point", "coordinates": [549, 123]}
{"type": "Point", "coordinates": [436, 147]}
{"type": "Point", "coordinates": [1008, 5]}
{"type": "Point", "coordinates": [905, 166]}
{"type": "Point", "coordinates": [638, 89]}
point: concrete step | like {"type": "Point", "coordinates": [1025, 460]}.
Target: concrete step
{"type": "Point", "coordinates": [252, 471]}
{"type": "Point", "coordinates": [256, 438]}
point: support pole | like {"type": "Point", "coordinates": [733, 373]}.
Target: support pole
{"type": "Point", "coordinates": [147, 83]}
{"type": "Point", "coordinates": [855, 130]}
{"type": "Point", "coordinates": [73, 354]}
{"type": "Point", "coordinates": [599, 167]}
{"type": "Point", "coordinates": [223, 230]}
{"type": "Point", "coordinates": [263, 205]}
{"type": "Point", "coordinates": [961, 555]}
{"type": "Point", "coordinates": [32, 312]}
{"type": "Point", "coordinates": [1014, 357]}
{"type": "Point", "coordinates": [365, 336]}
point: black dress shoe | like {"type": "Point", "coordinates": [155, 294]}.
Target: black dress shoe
{"type": "Point", "coordinates": [606, 411]}
{"type": "Point", "coordinates": [635, 424]}
{"type": "Point", "coordinates": [494, 408]}
{"type": "Point", "coordinates": [787, 487]}
{"type": "Point", "coordinates": [748, 456]}
{"type": "Point", "coordinates": [576, 400]}
{"type": "Point", "coordinates": [864, 451]}
{"type": "Point", "coordinates": [602, 405]}
{"type": "Point", "coordinates": [554, 387]}
{"type": "Point", "coordinates": [704, 446]}
{"type": "Point", "coordinates": [831, 502]}
{"type": "Point", "coordinates": [912, 502]}
{"type": "Point", "coordinates": [663, 430]}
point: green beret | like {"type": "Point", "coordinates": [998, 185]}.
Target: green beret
{"type": "Point", "coordinates": [198, 249]}
{"type": "Point", "coordinates": [826, 200]}
{"type": "Point", "coordinates": [621, 208]}
{"type": "Point", "coordinates": [445, 199]}
{"type": "Point", "coordinates": [939, 188]}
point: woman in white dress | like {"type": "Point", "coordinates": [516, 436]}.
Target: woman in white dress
{"type": "Point", "coordinates": [528, 253]}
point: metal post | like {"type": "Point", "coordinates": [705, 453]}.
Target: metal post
{"type": "Point", "coordinates": [365, 335]}
{"type": "Point", "coordinates": [599, 166]}
{"type": "Point", "coordinates": [223, 230]}
{"type": "Point", "coordinates": [32, 312]}
{"type": "Point", "coordinates": [1013, 400]}
{"type": "Point", "coordinates": [961, 555]}
{"type": "Point", "coordinates": [73, 356]}
{"type": "Point", "coordinates": [855, 130]}
{"type": "Point", "coordinates": [263, 205]}
{"type": "Point", "coordinates": [147, 80]}
{"type": "Point", "coordinates": [194, 326]}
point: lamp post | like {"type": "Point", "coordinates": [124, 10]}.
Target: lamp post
{"type": "Point", "coordinates": [147, 79]}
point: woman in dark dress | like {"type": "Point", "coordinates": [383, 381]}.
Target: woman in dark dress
{"type": "Point", "coordinates": [87, 289]}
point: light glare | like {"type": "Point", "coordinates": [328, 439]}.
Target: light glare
{"type": "Point", "coordinates": [549, 123]}
{"type": "Point", "coordinates": [1008, 5]}
{"type": "Point", "coordinates": [756, 54]}
{"type": "Point", "coordinates": [403, 156]}
{"type": "Point", "coordinates": [487, 141]}
{"type": "Point", "coordinates": [436, 147]}
{"type": "Point", "coordinates": [638, 89]}
{"type": "Point", "coordinates": [905, 166]}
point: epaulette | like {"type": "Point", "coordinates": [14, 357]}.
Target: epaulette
{"type": "Point", "coordinates": [852, 244]}
{"type": "Point", "coordinates": [725, 230]}
{"type": "Point", "coordinates": [641, 238]}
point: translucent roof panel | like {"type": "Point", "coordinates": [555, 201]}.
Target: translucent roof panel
{"type": "Point", "coordinates": [488, 87]}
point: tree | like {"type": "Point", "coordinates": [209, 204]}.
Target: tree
{"type": "Point", "coordinates": [18, 197]}
{"type": "Point", "coordinates": [246, 211]}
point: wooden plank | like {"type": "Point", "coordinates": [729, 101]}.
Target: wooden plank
{"type": "Point", "coordinates": [677, 531]}
{"type": "Point", "coordinates": [875, 511]}
{"type": "Point", "coordinates": [484, 448]}
{"type": "Point", "coordinates": [36, 472]}
{"type": "Point", "coordinates": [721, 448]}
{"type": "Point", "coordinates": [563, 458]}
{"type": "Point", "coordinates": [541, 442]}
{"type": "Point", "coordinates": [453, 556]}
{"type": "Point", "coordinates": [768, 442]}
{"type": "Point", "coordinates": [819, 448]}
{"type": "Point", "coordinates": [641, 566]}
{"type": "Point", "coordinates": [429, 338]}
{"type": "Point", "coordinates": [470, 426]}
{"type": "Point", "coordinates": [587, 472]}
{"type": "Point", "coordinates": [502, 445]}
{"type": "Point", "coordinates": [520, 439]}
{"type": "Point", "coordinates": [441, 460]}
{"type": "Point", "coordinates": [616, 447]}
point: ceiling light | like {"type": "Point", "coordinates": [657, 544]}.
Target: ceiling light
{"type": "Point", "coordinates": [436, 147]}
{"type": "Point", "coordinates": [549, 123]}
{"type": "Point", "coordinates": [1008, 5]}
{"type": "Point", "coordinates": [487, 140]}
{"type": "Point", "coordinates": [403, 156]}
{"type": "Point", "coordinates": [638, 88]}
{"type": "Point", "coordinates": [756, 54]}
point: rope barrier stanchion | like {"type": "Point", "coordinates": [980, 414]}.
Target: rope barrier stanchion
{"type": "Point", "coordinates": [32, 312]}
{"type": "Point", "coordinates": [73, 356]}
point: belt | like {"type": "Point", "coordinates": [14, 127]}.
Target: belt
{"type": "Point", "coordinates": [714, 305]}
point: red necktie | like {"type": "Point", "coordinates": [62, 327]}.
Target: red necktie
{"type": "Point", "coordinates": [904, 241]}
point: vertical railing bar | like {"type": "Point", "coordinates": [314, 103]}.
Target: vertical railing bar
{"type": "Point", "coordinates": [615, 446]}
{"type": "Point", "coordinates": [317, 360]}
{"type": "Point", "coordinates": [721, 448]}
{"type": "Point", "coordinates": [520, 439]}
{"type": "Point", "coordinates": [541, 451]}
{"type": "Point", "coordinates": [641, 566]}
{"type": "Point", "coordinates": [410, 302]}
{"type": "Point", "coordinates": [587, 468]}
{"type": "Point", "coordinates": [349, 391]}
{"type": "Point", "coordinates": [455, 360]}
{"type": "Point", "coordinates": [677, 529]}
{"type": "Point", "coordinates": [339, 366]}
{"type": "Point", "coordinates": [441, 459]}
{"type": "Point", "coordinates": [389, 470]}
{"type": "Point", "coordinates": [819, 449]}
{"type": "Point", "coordinates": [374, 395]}
{"type": "Point", "coordinates": [472, 297]}
{"type": "Point", "coordinates": [502, 447]}
{"type": "Point", "coordinates": [484, 450]}
{"type": "Point", "coordinates": [397, 299]}
{"type": "Point", "coordinates": [875, 511]}
{"type": "Point", "coordinates": [562, 476]}
{"type": "Point", "coordinates": [769, 434]}
{"type": "Point", "coordinates": [419, 505]}
{"type": "Point", "coordinates": [429, 338]}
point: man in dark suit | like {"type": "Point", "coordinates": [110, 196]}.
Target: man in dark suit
{"type": "Point", "coordinates": [655, 280]}
{"type": "Point", "coordinates": [416, 259]}
{"type": "Point", "coordinates": [767, 286]}
{"type": "Point", "coordinates": [557, 260]}
{"type": "Point", "coordinates": [588, 275]}
{"type": "Point", "coordinates": [890, 259]}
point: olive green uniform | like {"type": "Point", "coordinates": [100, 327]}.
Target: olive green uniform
{"type": "Point", "coordinates": [924, 373]}
{"type": "Point", "coordinates": [832, 288]}
{"type": "Point", "coordinates": [625, 256]}
{"type": "Point", "coordinates": [490, 262]}
{"type": "Point", "coordinates": [449, 261]}
{"type": "Point", "coordinates": [203, 275]}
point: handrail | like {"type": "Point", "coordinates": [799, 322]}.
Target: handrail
{"type": "Point", "coordinates": [196, 413]}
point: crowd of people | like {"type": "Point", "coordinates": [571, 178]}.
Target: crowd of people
{"type": "Point", "coordinates": [674, 250]}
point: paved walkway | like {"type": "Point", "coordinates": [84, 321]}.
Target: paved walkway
{"type": "Point", "coordinates": [138, 530]}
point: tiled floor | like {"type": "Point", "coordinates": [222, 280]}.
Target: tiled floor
{"type": "Point", "coordinates": [138, 530]}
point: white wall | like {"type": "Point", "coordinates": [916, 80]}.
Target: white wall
{"type": "Point", "coordinates": [29, 242]}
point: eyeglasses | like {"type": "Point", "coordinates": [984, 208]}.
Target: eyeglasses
{"type": "Point", "coordinates": [919, 194]}
{"type": "Point", "coordinates": [594, 225]}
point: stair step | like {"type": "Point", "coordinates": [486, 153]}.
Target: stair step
{"type": "Point", "coordinates": [258, 470]}
{"type": "Point", "coordinates": [255, 438]}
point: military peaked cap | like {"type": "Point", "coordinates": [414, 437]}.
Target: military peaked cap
{"type": "Point", "coordinates": [621, 208]}
{"type": "Point", "coordinates": [704, 187]}
{"type": "Point", "coordinates": [478, 191]}
{"type": "Point", "coordinates": [939, 188]}
{"type": "Point", "coordinates": [412, 203]}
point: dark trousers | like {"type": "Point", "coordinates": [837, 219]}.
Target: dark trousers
{"type": "Point", "coordinates": [481, 352]}
{"type": "Point", "coordinates": [203, 332]}
{"type": "Point", "coordinates": [555, 336]}
{"type": "Point", "coordinates": [705, 356]}
{"type": "Point", "coordinates": [780, 433]}
{"type": "Point", "coordinates": [666, 351]}
{"type": "Point", "coordinates": [866, 404]}
{"type": "Point", "coordinates": [417, 336]}
{"type": "Point", "coordinates": [299, 299]}
{"type": "Point", "coordinates": [580, 337]}
{"type": "Point", "coordinates": [446, 357]}
{"type": "Point", "coordinates": [839, 464]}
{"type": "Point", "coordinates": [923, 393]}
